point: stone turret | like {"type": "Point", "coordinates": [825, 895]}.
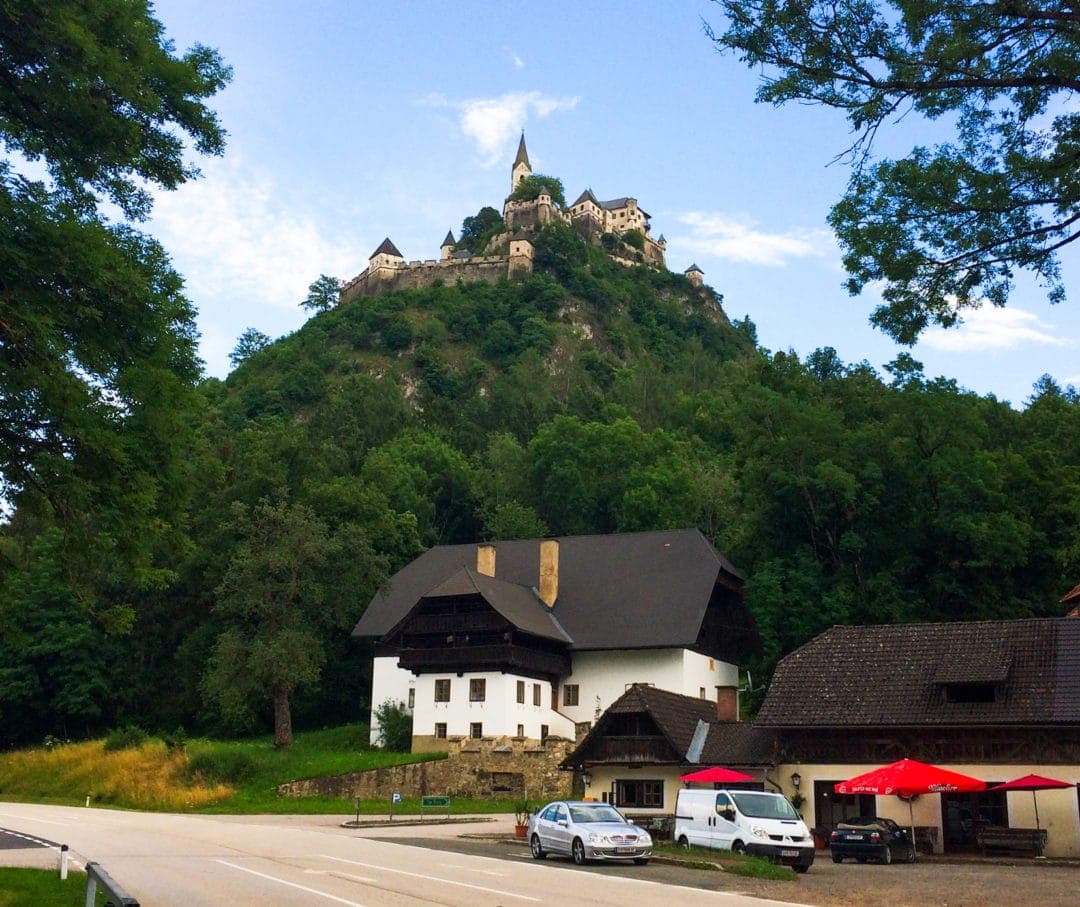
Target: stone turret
{"type": "Point", "coordinates": [521, 255]}
{"type": "Point", "coordinates": [385, 258]}
{"type": "Point", "coordinates": [522, 168]}
{"type": "Point", "coordinates": [695, 275]}
{"type": "Point", "coordinates": [447, 247]}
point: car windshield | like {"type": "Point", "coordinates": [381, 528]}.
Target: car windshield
{"type": "Point", "coordinates": [763, 806]}
{"type": "Point", "coordinates": [596, 812]}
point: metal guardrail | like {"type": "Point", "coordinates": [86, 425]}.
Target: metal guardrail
{"type": "Point", "coordinates": [96, 876]}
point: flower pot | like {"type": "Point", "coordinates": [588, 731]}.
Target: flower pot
{"type": "Point", "coordinates": [520, 831]}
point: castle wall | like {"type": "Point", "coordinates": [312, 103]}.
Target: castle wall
{"type": "Point", "coordinates": [417, 275]}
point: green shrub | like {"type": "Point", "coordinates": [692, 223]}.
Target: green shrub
{"type": "Point", "coordinates": [221, 767]}
{"type": "Point", "coordinates": [634, 238]}
{"type": "Point", "coordinates": [531, 186]}
{"type": "Point", "coordinates": [175, 739]}
{"type": "Point", "coordinates": [395, 726]}
{"type": "Point", "coordinates": [397, 333]}
{"type": "Point", "coordinates": [129, 737]}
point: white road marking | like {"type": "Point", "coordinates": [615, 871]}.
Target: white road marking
{"type": "Point", "coordinates": [418, 875]}
{"type": "Point", "coordinates": [340, 875]}
{"type": "Point", "coordinates": [315, 891]}
{"type": "Point", "coordinates": [487, 872]}
{"type": "Point", "coordinates": [24, 837]}
{"type": "Point", "coordinates": [36, 819]}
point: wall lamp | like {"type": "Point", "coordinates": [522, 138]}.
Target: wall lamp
{"type": "Point", "coordinates": [586, 777]}
{"type": "Point", "coordinates": [796, 780]}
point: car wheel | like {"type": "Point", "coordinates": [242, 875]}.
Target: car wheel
{"type": "Point", "coordinates": [738, 847]}
{"type": "Point", "coordinates": [886, 855]}
{"type": "Point", "coordinates": [537, 850]}
{"type": "Point", "coordinates": [800, 868]}
{"type": "Point", "coordinates": [860, 859]}
{"type": "Point", "coordinates": [577, 851]}
{"type": "Point", "coordinates": [641, 861]}
{"type": "Point", "coordinates": [684, 842]}
{"type": "Point", "coordinates": [838, 858]}
{"type": "Point", "coordinates": [910, 858]}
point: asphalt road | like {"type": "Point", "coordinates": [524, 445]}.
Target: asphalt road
{"type": "Point", "coordinates": [308, 860]}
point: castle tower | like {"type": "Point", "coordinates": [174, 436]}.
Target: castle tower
{"type": "Point", "coordinates": [447, 247]}
{"type": "Point", "coordinates": [385, 258]}
{"type": "Point", "coordinates": [695, 275]}
{"type": "Point", "coordinates": [522, 168]}
{"type": "Point", "coordinates": [521, 256]}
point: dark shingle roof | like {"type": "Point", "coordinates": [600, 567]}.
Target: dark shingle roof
{"type": "Point", "coordinates": [693, 268]}
{"type": "Point", "coordinates": [587, 195]}
{"type": "Point", "coordinates": [897, 675]}
{"type": "Point", "coordinates": [678, 718]}
{"type": "Point", "coordinates": [449, 241]}
{"type": "Point", "coordinates": [634, 590]}
{"type": "Point", "coordinates": [521, 606]}
{"type": "Point", "coordinates": [388, 248]}
{"type": "Point", "coordinates": [522, 154]}
{"type": "Point", "coordinates": [615, 203]}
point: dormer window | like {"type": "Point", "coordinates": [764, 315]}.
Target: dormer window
{"type": "Point", "coordinates": [970, 692]}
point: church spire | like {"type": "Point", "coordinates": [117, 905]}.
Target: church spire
{"type": "Point", "coordinates": [522, 155]}
{"type": "Point", "coordinates": [522, 168]}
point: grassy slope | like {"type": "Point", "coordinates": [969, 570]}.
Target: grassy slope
{"type": "Point", "coordinates": [153, 778]}
{"type": "Point", "coordinates": [42, 888]}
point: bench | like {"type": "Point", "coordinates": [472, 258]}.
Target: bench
{"type": "Point", "coordinates": [1026, 841]}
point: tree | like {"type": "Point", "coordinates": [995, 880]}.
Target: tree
{"type": "Point", "coordinates": [97, 344]}
{"type": "Point", "coordinates": [477, 231]}
{"type": "Point", "coordinates": [289, 585]}
{"type": "Point", "coordinates": [531, 186]}
{"type": "Point", "coordinates": [247, 345]}
{"type": "Point", "coordinates": [322, 294]}
{"type": "Point", "coordinates": [945, 227]}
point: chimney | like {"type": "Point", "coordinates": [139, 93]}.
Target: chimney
{"type": "Point", "coordinates": [549, 571]}
{"type": "Point", "coordinates": [485, 560]}
{"type": "Point", "coordinates": [727, 703]}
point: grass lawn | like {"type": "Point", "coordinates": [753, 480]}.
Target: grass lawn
{"type": "Point", "coordinates": [42, 888]}
{"type": "Point", "coordinates": [235, 776]}
{"type": "Point", "coordinates": [733, 863]}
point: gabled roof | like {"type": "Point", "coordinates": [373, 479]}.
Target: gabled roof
{"type": "Point", "coordinates": [1072, 596]}
{"type": "Point", "coordinates": [449, 241]}
{"type": "Point", "coordinates": [898, 675]}
{"type": "Point", "coordinates": [520, 606]}
{"type": "Point", "coordinates": [680, 720]}
{"type": "Point", "coordinates": [522, 154]}
{"type": "Point", "coordinates": [587, 195]}
{"type": "Point", "coordinates": [386, 248]}
{"type": "Point", "coordinates": [693, 268]}
{"type": "Point", "coordinates": [638, 590]}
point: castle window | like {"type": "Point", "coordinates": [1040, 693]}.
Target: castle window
{"type": "Point", "coordinates": [521, 691]}
{"type": "Point", "coordinates": [521, 730]}
{"type": "Point", "coordinates": [570, 694]}
{"type": "Point", "coordinates": [412, 697]}
{"type": "Point", "coordinates": [477, 689]}
{"type": "Point", "coordinates": [440, 730]}
{"type": "Point", "coordinates": [476, 730]}
{"type": "Point", "coordinates": [442, 689]}
{"type": "Point", "coordinates": [536, 694]}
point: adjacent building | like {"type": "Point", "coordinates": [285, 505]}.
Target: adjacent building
{"type": "Point", "coordinates": [523, 640]}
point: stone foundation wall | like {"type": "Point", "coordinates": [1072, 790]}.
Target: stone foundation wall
{"type": "Point", "coordinates": [417, 275]}
{"type": "Point", "coordinates": [471, 769]}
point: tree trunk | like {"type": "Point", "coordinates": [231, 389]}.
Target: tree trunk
{"type": "Point", "coordinates": [282, 718]}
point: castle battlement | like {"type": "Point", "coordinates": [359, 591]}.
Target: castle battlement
{"type": "Point", "coordinates": [590, 217]}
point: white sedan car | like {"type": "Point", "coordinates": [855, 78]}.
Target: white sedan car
{"type": "Point", "coordinates": [587, 831]}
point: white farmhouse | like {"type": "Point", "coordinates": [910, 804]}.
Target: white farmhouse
{"type": "Point", "coordinates": [530, 639]}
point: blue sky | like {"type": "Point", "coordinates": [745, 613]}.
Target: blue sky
{"type": "Point", "coordinates": [352, 121]}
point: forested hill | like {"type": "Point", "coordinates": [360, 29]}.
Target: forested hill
{"type": "Point", "coordinates": [588, 398]}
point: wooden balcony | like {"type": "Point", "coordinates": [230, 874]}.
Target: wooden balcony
{"type": "Point", "coordinates": [630, 750]}
{"type": "Point", "coordinates": [505, 657]}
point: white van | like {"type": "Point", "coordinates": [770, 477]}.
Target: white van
{"type": "Point", "coordinates": [746, 821]}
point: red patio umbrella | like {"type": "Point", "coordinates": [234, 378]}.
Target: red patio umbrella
{"type": "Point", "coordinates": [716, 774]}
{"type": "Point", "coordinates": [1032, 783]}
{"type": "Point", "coordinates": [909, 778]}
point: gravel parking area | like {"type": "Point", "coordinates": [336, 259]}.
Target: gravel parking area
{"type": "Point", "coordinates": [938, 881]}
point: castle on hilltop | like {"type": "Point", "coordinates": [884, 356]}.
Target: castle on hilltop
{"type": "Point", "coordinates": [511, 252]}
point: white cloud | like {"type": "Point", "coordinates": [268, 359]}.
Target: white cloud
{"type": "Point", "coordinates": [518, 62]}
{"type": "Point", "coordinates": [726, 237]}
{"type": "Point", "coordinates": [493, 123]}
{"type": "Point", "coordinates": [234, 238]}
{"type": "Point", "coordinates": [993, 328]}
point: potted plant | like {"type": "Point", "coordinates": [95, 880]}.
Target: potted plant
{"type": "Point", "coordinates": [521, 819]}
